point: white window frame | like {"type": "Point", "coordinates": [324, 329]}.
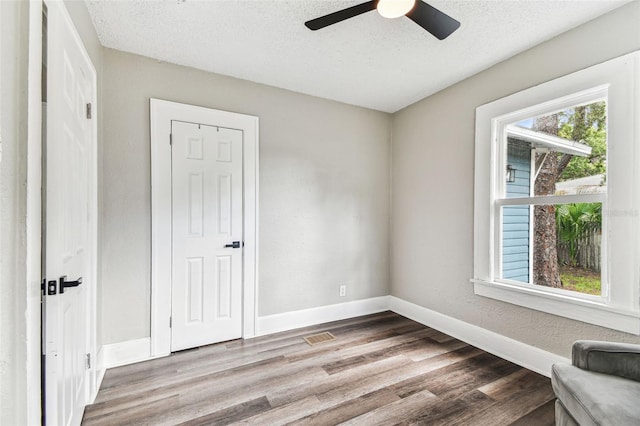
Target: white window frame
{"type": "Point", "coordinates": [617, 81]}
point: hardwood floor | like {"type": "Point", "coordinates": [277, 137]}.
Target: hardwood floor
{"type": "Point", "coordinates": [381, 369]}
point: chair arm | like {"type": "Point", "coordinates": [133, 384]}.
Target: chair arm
{"type": "Point", "coordinates": [617, 359]}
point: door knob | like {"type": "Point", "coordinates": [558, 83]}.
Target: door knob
{"type": "Point", "coordinates": [65, 284]}
{"type": "Point", "coordinates": [235, 244]}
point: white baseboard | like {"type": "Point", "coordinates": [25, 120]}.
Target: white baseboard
{"type": "Point", "coordinates": [306, 317]}
{"type": "Point", "coordinates": [132, 351]}
{"type": "Point", "coordinates": [527, 356]}
{"type": "Point", "coordinates": [128, 352]}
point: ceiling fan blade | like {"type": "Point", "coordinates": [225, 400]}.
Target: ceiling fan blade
{"type": "Point", "coordinates": [341, 15]}
{"type": "Point", "coordinates": [431, 19]}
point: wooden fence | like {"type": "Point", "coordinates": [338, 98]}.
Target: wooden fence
{"type": "Point", "coordinates": [589, 251]}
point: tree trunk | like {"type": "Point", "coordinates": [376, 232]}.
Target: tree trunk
{"type": "Point", "coordinates": [545, 254]}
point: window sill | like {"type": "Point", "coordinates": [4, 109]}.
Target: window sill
{"type": "Point", "coordinates": [589, 311]}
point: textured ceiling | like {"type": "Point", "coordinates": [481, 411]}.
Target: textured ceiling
{"type": "Point", "coordinates": [370, 61]}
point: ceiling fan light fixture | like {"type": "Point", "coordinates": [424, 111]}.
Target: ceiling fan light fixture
{"type": "Point", "coordinates": [395, 8]}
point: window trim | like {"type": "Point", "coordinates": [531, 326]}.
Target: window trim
{"type": "Point", "coordinates": [617, 81]}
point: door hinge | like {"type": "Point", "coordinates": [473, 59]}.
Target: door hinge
{"type": "Point", "coordinates": [89, 111]}
{"type": "Point", "coordinates": [88, 361]}
{"type": "Point", "coordinates": [170, 322]}
{"type": "Point", "coordinates": [170, 138]}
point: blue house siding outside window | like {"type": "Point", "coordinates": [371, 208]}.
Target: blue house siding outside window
{"type": "Point", "coordinates": [516, 226]}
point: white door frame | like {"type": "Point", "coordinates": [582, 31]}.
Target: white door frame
{"type": "Point", "coordinates": [162, 113]}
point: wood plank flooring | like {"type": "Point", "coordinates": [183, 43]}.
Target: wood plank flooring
{"type": "Point", "coordinates": [381, 369]}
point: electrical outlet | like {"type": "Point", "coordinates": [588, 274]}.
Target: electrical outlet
{"type": "Point", "coordinates": [343, 290]}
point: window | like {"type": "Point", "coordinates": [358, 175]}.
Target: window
{"type": "Point", "coordinates": [549, 208]}
{"type": "Point", "coordinates": [557, 224]}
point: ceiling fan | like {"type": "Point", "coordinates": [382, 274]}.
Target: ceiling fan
{"type": "Point", "coordinates": [423, 14]}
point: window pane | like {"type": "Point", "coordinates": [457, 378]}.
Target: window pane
{"type": "Point", "coordinates": [553, 246]}
{"type": "Point", "coordinates": [516, 233]}
{"type": "Point", "coordinates": [558, 154]}
{"type": "Point", "coordinates": [518, 168]}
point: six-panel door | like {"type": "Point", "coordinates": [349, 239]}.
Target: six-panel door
{"type": "Point", "coordinates": [68, 221]}
{"type": "Point", "coordinates": [206, 196]}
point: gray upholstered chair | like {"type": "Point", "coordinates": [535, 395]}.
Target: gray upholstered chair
{"type": "Point", "coordinates": [602, 387]}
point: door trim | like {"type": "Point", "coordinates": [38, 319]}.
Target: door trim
{"type": "Point", "coordinates": [161, 114]}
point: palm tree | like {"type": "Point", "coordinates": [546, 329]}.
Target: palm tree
{"type": "Point", "coordinates": [574, 221]}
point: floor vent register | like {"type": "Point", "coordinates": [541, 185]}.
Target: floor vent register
{"type": "Point", "coordinates": [314, 339]}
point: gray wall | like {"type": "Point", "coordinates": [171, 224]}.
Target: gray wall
{"type": "Point", "coordinates": [324, 190]}
{"type": "Point", "coordinates": [14, 291]}
{"type": "Point", "coordinates": [433, 155]}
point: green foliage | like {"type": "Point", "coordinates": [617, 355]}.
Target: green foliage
{"type": "Point", "coordinates": [585, 124]}
{"type": "Point", "coordinates": [573, 221]}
